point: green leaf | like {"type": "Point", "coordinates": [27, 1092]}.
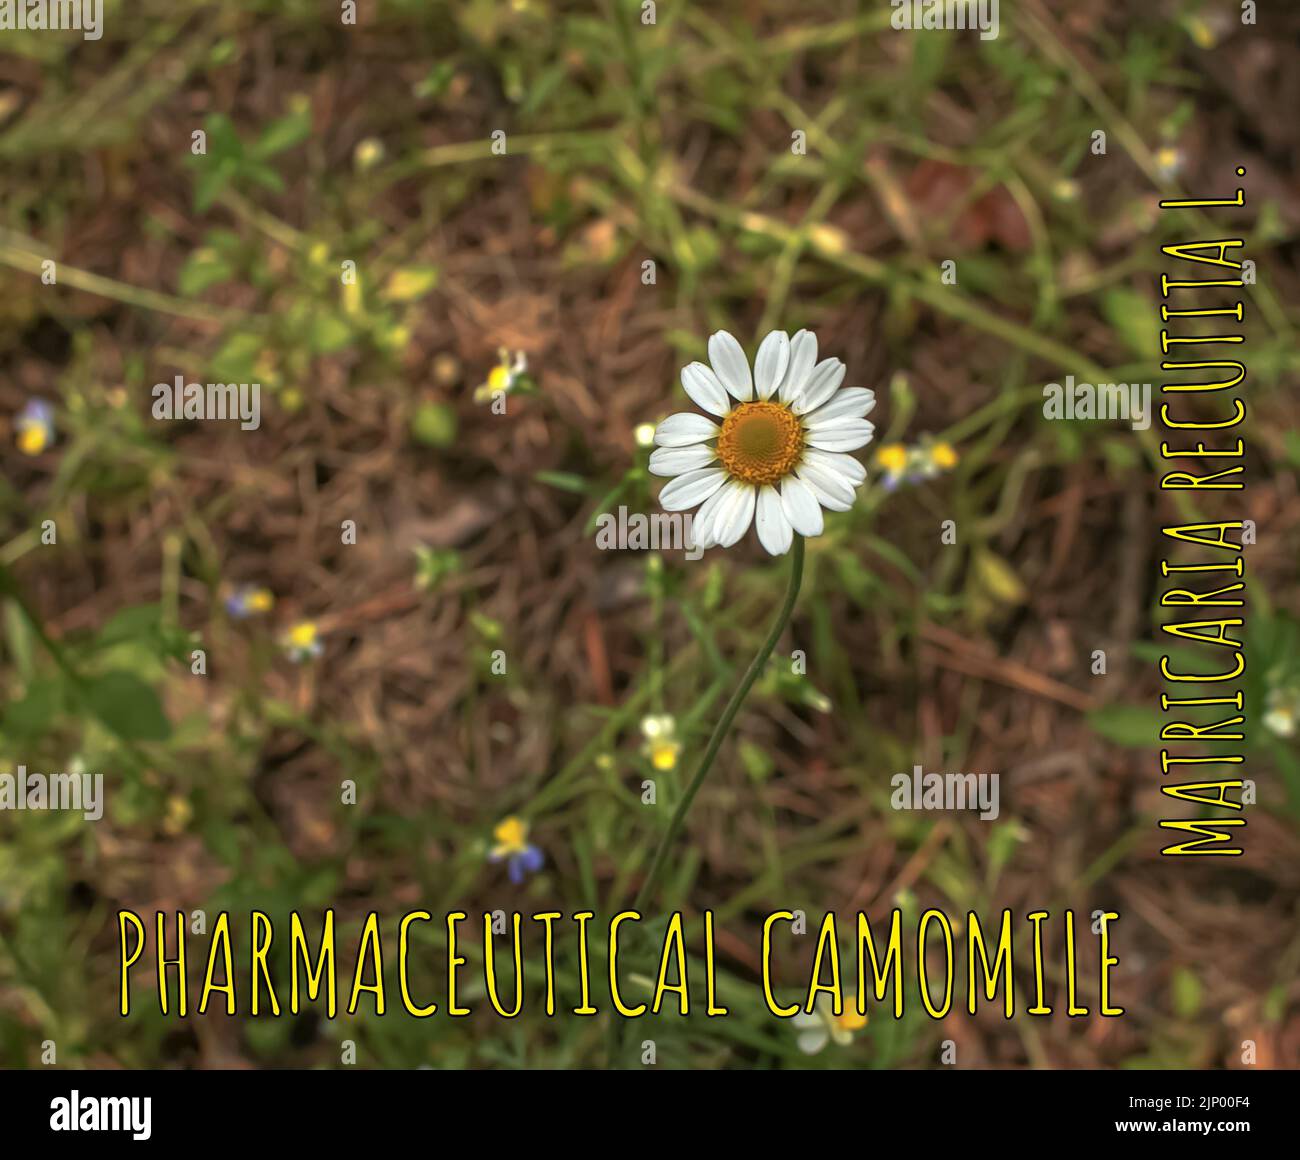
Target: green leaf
{"type": "Point", "coordinates": [860, 583]}
{"type": "Point", "coordinates": [18, 637]}
{"type": "Point", "coordinates": [1182, 658]}
{"type": "Point", "coordinates": [264, 176]}
{"type": "Point", "coordinates": [434, 424]}
{"type": "Point", "coordinates": [564, 480]}
{"type": "Point", "coordinates": [1130, 725]}
{"type": "Point", "coordinates": [237, 358]}
{"type": "Point", "coordinates": [435, 81]}
{"type": "Point", "coordinates": [410, 284]}
{"type": "Point", "coordinates": [895, 556]}
{"type": "Point", "coordinates": [283, 133]}
{"type": "Point", "coordinates": [998, 578]}
{"type": "Point", "coordinates": [1186, 994]}
{"type": "Point", "coordinates": [1135, 319]}
{"type": "Point", "coordinates": [1003, 842]}
{"type": "Point", "coordinates": [208, 187]}
{"type": "Point", "coordinates": [142, 624]}
{"type": "Point", "coordinates": [327, 333]}
{"type": "Point", "coordinates": [757, 761]}
{"type": "Point", "coordinates": [204, 268]}
{"type": "Point", "coordinates": [138, 622]}
{"type": "Point", "coordinates": [223, 141]}
{"type": "Point", "coordinates": [928, 60]}
{"type": "Point", "coordinates": [35, 713]}
{"type": "Point", "coordinates": [127, 706]}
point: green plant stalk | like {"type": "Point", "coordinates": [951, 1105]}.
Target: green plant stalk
{"type": "Point", "coordinates": [720, 731]}
{"type": "Point", "coordinates": [723, 727]}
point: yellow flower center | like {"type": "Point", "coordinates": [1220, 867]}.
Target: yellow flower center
{"type": "Point", "coordinates": [499, 378]}
{"type": "Point", "coordinates": [303, 635]}
{"type": "Point", "coordinates": [943, 455]}
{"type": "Point", "coordinates": [850, 1020]}
{"type": "Point", "coordinates": [760, 443]}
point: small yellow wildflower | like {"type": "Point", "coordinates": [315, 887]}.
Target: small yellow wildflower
{"type": "Point", "coordinates": [1169, 160]}
{"type": "Point", "coordinates": [303, 642]}
{"type": "Point", "coordinates": [661, 746]}
{"type": "Point", "coordinates": [1201, 33]}
{"type": "Point", "coordinates": [932, 457]}
{"type": "Point", "coordinates": [829, 239]}
{"type": "Point", "coordinates": [944, 456]}
{"type": "Point", "coordinates": [511, 836]}
{"type": "Point", "coordinates": [822, 1026]}
{"type": "Point", "coordinates": [247, 600]}
{"type": "Point", "coordinates": [1065, 189]}
{"type": "Point", "coordinates": [367, 154]}
{"type": "Point", "coordinates": [892, 459]}
{"type": "Point", "coordinates": [179, 814]}
{"type": "Point", "coordinates": [513, 847]}
{"type": "Point", "coordinates": [1208, 29]}
{"type": "Point", "coordinates": [35, 427]}
{"type": "Point", "coordinates": [502, 378]}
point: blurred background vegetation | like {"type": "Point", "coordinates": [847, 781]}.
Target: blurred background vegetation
{"type": "Point", "coordinates": [624, 143]}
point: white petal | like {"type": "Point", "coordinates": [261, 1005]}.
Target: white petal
{"type": "Point", "coordinates": [734, 518]}
{"type": "Point", "coordinates": [774, 531]}
{"type": "Point", "coordinates": [732, 367]}
{"type": "Point", "coordinates": [679, 460]}
{"type": "Point", "coordinates": [813, 1040]}
{"type": "Point", "coordinates": [831, 491]}
{"type": "Point", "coordinates": [822, 384]}
{"type": "Point", "coordinates": [801, 507]}
{"type": "Point", "coordinates": [803, 355]}
{"type": "Point", "coordinates": [703, 523]}
{"type": "Point", "coordinates": [770, 363]}
{"type": "Point", "coordinates": [842, 435]}
{"type": "Point", "coordinates": [683, 429]}
{"type": "Point", "coordinates": [844, 465]}
{"type": "Point", "coordinates": [805, 1019]}
{"type": "Point", "coordinates": [852, 403]}
{"type": "Point", "coordinates": [702, 385]}
{"type": "Point", "coordinates": [694, 487]}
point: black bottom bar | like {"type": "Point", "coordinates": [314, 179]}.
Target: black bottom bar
{"type": "Point", "coordinates": [347, 1106]}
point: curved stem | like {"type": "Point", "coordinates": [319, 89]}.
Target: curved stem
{"type": "Point", "coordinates": [723, 726]}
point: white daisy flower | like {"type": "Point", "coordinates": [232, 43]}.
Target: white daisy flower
{"type": "Point", "coordinates": [777, 454]}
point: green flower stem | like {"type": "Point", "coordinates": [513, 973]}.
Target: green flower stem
{"type": "Point", "coordinates": [723, 726]}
